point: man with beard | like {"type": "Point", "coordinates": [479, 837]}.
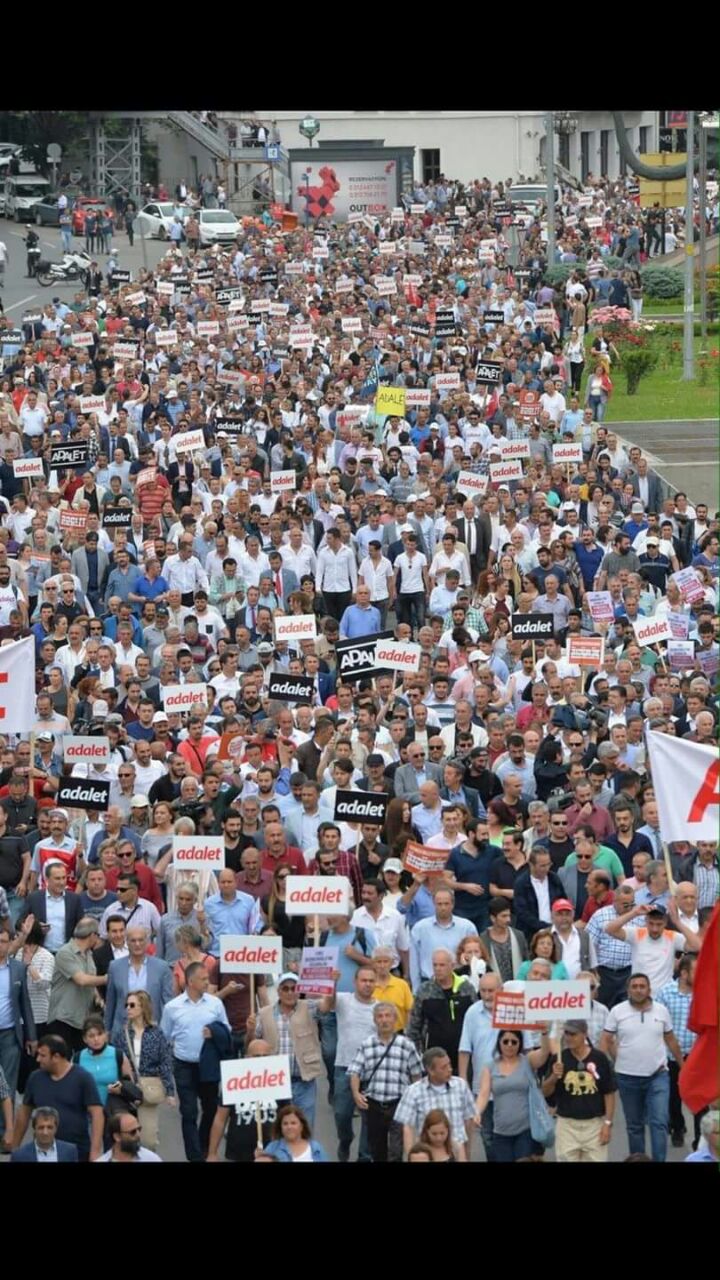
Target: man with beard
{"type": "Point", "coordinates": [622, 557]}
{"type": "Point", "coordinates": [124, 1131]}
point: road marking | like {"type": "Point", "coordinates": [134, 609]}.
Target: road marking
{"type": "Point", "coordinates": [685, 464]}
{"type": "Point", "coordinates": [652, 458]}
{"type": "Point", "coordinates": [21, 302]}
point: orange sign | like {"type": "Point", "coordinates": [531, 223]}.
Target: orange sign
{"type": "Point", "coordinates": [423, 860]}
{"type": "Point", "coordinates": [586, 651]}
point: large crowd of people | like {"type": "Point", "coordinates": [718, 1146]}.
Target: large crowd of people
{"type": "Point", "coordinates": [381, 429]}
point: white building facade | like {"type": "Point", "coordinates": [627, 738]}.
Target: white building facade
{"type": "Point", "coordinates": [477, 144]}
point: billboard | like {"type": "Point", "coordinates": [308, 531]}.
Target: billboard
{"type": "Point", "coordinates": [336, 189]}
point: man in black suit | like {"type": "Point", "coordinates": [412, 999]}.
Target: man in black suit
{"type": "Point", "coordinates": [114, 948]}
{"type": "Point", "coordinates": [474, 530]}
{"type": "Point", "coordinates": [47, 906]}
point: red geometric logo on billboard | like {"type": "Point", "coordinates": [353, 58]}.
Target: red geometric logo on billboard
{"type": "Point", "coordinates": [319, 198]}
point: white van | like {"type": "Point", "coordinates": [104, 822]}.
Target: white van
{"type": "Point", "coordinates": [21, 193]}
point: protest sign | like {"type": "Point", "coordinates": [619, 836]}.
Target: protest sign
{"type": "Point", "coordinates": [652, 630]}
{"type": "Point", "coordinates": [68, 455]}
{"type": "Point", "coordinates": [689, 585]}
{"type": "Point", "coordinates": [317, 895]}
{"type": "Point", "coordinates": [186, 441]}
{"type": "Point", "coordinates": [447, 381]}
{"type": "Point", "coordinates": [248, 953]}
{"type": "Point", "coordinates": [351, 324]}
{"type": "Point", "coordinates": [72, 521]}
{"type": "Point", "coordinates": [117, 517]}
{"type": "Point", "coordinates": [317, 966]}
{"type": "Point", "coordinates": [681, 654]}
{"type": "Point", "coordinates": [469, 482]}
{"type": "Point", "coordinates": [532, 626]}
{"type": "Point", "coordinates": [24, 468]}
{"type": "Point", "coordinates": [423, 860]}
{"type": "Point", "coordinates": [283, 481]}
{"type": "Point", "coordinates": [300, 626]}
{"type": "Point", "coordinates": [396, 655]}
{"type": "Point", "coordinates": [183, 697]}
{"type": "Point", "coordinates": [502, 472]}
{"type": "Point", "coordinates": [83, 793]}
{"type": "Point", "coordinates": [679, 625]}
{"type": "Point", "coordinates": [391, 401]}
{"type": "Point", "coordinates": [567, 452]}
{"type": "Point", "coordinates": [198, 853]}
{"type": "Point", "coordinates": [542, 1002]}
{"type": "Point", "coordinates": [85, 749]}
{"type": "Point", "coordinates": [356, 657]}
{"type": "Point", "coordinates": [586, 651]}
{"type": "Point", "coordinates": [489, 373]}
{"type": "Point", "coordinates": [360, 806]}
{"type": "Point", "coordinates": [600, 605]}
{"type": "Point", "coordinates": [255, 1080]}
{"type": "Point", "coordinates": [287, 688]}
{"type": "Point", "coordinates": [515, 449]}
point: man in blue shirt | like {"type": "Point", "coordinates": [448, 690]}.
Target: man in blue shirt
{"type": "Point", "coordinates": [477, 1043]}
{"type": "Point", "coordinates": [230, 911]}
{"type": "Point", "coordinates": [589, 557]}
{"type": "Point", "coordinates": [361, 618]}
{"type": "Point", "coordinates": [710, 1128]}
{"type": "Point", "coordinates": [442, 930]}
{"type": "Point", "coordinates": [186, 1022]}
{"type": "Point", "coordinates": [123, 579]}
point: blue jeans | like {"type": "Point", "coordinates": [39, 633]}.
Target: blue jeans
{"type": "Point", "coordinates": [66, 233]}
{"type": "Point", "coordinates": [190, 1091]}
{"type": "Point", "coordinates": [304, 1095]}
{"type": "Point", "coordinates": [646, 1101]}
{"type": "Point", "coordinates": [506, 1150]}
{"type": "Point", "coordinates": [15, 905]}
{"type": "Point", "coordinates": [343, 1107]}
{"type": "Point", "coordinates": [10, 1063]}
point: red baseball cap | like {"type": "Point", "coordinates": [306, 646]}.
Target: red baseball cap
{"type": "Point", "coordinates": [563, 904]}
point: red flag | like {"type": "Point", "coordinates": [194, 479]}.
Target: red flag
{"type": "Point", "coordinates": [699, 1080]}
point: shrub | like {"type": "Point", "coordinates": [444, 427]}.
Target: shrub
{"type": "Point", "coordinates": [663, 282]}
{"type": "Point", "coordinates": [636, 362]}
{"type": "Point", "coordinates": [560, 273]}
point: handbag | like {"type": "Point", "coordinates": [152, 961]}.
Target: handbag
{"type": "Point", "coordinates": [153, 1089]}
{"type": "Point", "coordinates": [542, 1124]}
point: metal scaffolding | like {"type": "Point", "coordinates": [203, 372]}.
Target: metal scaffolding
{"type": "Point", "coordinates": [115, 160]}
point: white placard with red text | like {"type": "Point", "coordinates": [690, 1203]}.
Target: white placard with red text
{"type": "Point", "coordinates": [283, 481]}
{"type": "Point", "coordinates": [317, 896]}
{"type": "Point", "coordinates": [198, 853]}
{"type": "Point", "coordinates": [250, 953]}
{"type": "Point", "coordinates": [300, 626]}
{"type": "Point", "coordinates": [186, 441]}
{"type": "Point", "coordinates": [397, 655]}
{"type": "Point", "coordinates": [85, 750]}
{"type": "Point", "coordinates": [652, 630]}
{"type": "Point", "coordinates": [251, 1080]}
{"type": "Point", "coordinates": [567, 452]}
{"type": "Point", "coordinates": [503, 472]}
{"type": "Point", "coordinates": [184, 697]}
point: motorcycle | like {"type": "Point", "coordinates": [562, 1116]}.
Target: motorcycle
{"type": "Point", "coordinates": [74, 266]}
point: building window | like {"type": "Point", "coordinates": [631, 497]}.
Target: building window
{"type": "Point", "coordinates": [584, 154]}
{"type": "Point", "coordinates": [564, 149]}
{"type": "Point", "coordinates": [644, 143]}
{"type": "Point", "coordinates": [431, 164]}
{"type": "Point", "coordinates": [604, 151]}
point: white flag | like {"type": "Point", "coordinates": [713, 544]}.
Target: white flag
{"type": "Point", "coordinates": [685, 777]}
{"type": "Point", "coordinates": [17, 686]}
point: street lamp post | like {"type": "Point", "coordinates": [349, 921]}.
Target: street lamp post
{"type": "Point", "coordinates": [308, 127]}
{"type": "Point", "coordinates": [689, 302]}
{"type": "Point", "coordinates": [550, 176]}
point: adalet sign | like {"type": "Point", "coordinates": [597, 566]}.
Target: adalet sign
{"type": "Point", "coordinates": [317, 895]}
{"type": "Point", "coordinates": [85, 750]}
{"type": "Point", "coordinates": [249, 953]}
{"type": "Point", "coordinates": [198, 853]}
{"type": "Point", "coordinates": [255, 1080]}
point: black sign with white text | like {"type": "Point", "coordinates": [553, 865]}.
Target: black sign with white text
{"type": "Point", "coordinates": [83, 793]}
{"type": "Point", "coordinates": [494, 317]}
{"type": "Point", "coordinates": [231, 425]}
{"type": "Point", "coordinates": [119, 277]}
{"type": "Point", "coordinates": [489, 372]}
{"type": "Point", "coordinates": [444, 322]}
{"type": "Point", "coordinates": [419, 329]}
{"type": "Point", "coordinates": [285, 688]}
{"type": "Point", "coordinates": [532, 626]}
{"type": "Point", "coordinates": [356, 658]}
{"type": "Point", "coordinates": [228, 295]}
{"type": "Point", "coordinates": [68, 455]}
{"type": "Point", "coordinates": [117, 517]}
{"type": "Point", "coordinates": [361, 806]}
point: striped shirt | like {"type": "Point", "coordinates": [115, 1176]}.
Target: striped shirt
{"type": "Point", "coordinates": [391, 1071]}
{"type": "Point", "coordinates": [707, 883]}
{"type": "Point", "coordinates": [611, 952]}
{"type": "Point", "coordinates": [678, 1003]}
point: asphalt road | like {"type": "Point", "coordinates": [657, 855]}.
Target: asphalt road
{"type": "Point", "coordinates": [685, 453]}
{"type": "Point", "coordinates": [18, 293]}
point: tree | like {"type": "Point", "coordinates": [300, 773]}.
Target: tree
{"type": "Point", "coordinates": [34, 130]}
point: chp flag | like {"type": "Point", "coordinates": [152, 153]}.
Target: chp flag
{"type": "Point", "coordinates": [17, 673]}
{"type": "Point", "coordinates": [686, 780]}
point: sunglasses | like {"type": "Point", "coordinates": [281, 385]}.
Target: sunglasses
{"type": "Point", "coordinates": [510, 1042]}
{"type": "Point", "coordinates": [131, 1004]}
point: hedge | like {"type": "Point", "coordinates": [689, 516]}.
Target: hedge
{"type": "Point", "coordinates": [663, 282]}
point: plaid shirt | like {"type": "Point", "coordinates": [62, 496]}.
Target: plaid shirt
{"type": "Point", "coordinates": [347, 865]}
{"type": "Point", "coordinates": [474, 618]}
{"type": "Point", "coordinates": [596, 1021]}
{"type": "Point", "coordinates": [393, 1070]}
{"type": "Point", "coordinates": [707, 883]}
{"type": "Point", "coordinates": [611, 952]}
{"type": "Point", "coordinates": [678, 1003]}
{"type": "Point", "coordinates": [454, 1098]}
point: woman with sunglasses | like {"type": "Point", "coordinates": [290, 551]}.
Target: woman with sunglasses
{"type": "Point", "coordinates": [509, 1081]}
{"type": "Point", "coordinates": [544, 945]}
{"type": "Point", "coordinates": [290, 928]}
{"type": "Point", "coordinates": [149, 1062]}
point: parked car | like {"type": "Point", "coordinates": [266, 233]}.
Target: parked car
{"type": "Point", "coordinates": [21, 194]}
{"type": "Point", "coordinates": [82, 205]}
{"type": "Point", "coordinates": [218, 226]}
{"type": "Point", "coordinates": [45, 212]}
{"type": "Point", "coordinates": [155, 220]}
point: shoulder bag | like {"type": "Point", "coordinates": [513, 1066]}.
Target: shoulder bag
{"type": "Point", "coordinates": [153, 1089]}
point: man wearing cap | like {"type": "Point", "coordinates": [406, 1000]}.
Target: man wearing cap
{"type": "Point", "coordinates": [574, 944]}
{"type": "Point", "coordinates": [582, 1087]}
{"type": "Point", "coordinates": [653, 946]}
{"type": "Point", "coordinates": [74, 984]}
{"type": "Point", "coordinates": [58, 847]}
{"type": "Point", "coordinates": [290, 1027]}
{"type": "Point", "coordinates": [654, 567]}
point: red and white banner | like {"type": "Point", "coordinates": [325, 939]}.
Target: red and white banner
{"type": "Point", "coordinates": [186, 441]}
{"type": "Point", "coordinates": [183, 697]}
{"type": "Point", "coordinates": [255, 1080]}
{"type": "Point", "coordinates": [686, 781]}
{"type": "Point", "coordinates": [539, 1002]}
{"type": "Point", "coordinates": [398, 655]}
{"type": "Point", "coordinates": [17, 686]}
{"type": "Point", "coordinates": [296, 626]}
{"type": "Point", "coordinates": [317, 895]}
{"type": "Point", "coordinates": [246, 953]}
{"type": "Point", "coordinates": [85, 750]}
{"type": "Point", "coordinates": [586, 651]}
{"type": "Point", "coordinates": [652, 630]}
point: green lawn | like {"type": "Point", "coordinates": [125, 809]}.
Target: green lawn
{"type": "Point", "coordinates": [661, 395]}
{"type": "Point", "coordinates": [663, 306]}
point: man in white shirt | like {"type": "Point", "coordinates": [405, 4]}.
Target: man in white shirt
{"type": "Point", "coordinates": [147, 770]}
{"type": "Point", "coordinates": [552, 402]}
{"type": "Point", "coordinates": [184, 572]}
{"type": "Point", "coordinates": [384, 920]}
{"type": "Point", "coordinates": [336, 574]}
{"type": "Point", "coordinates": [653, 945]}
{"type": "Point", "coordinates": [412, 582]}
